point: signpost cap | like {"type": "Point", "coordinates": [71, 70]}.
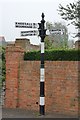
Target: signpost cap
{"type": "Point", "coordinates": [43, 15]}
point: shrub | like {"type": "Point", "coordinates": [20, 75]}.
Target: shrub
{"type": "Point", "coordinates": [54, 55]}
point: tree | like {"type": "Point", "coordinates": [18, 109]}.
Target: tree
{"type": "Point", "coordinates": [57, 40]}
{"type": "Point", "coordinates": [49, 25]}
{"type": "Point", "coordinates": [71, 12]}
{"type": "Point", "coordinates": [2, 65]}
{"type": "Point", "coordinates": [48, 43]}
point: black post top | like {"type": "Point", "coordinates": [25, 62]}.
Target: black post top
{"type": "Point", "coordinates": [42, 15]}
{"type": "Point", "coordinates": [43, 21]}
{"type": "Point", "coordinates": [42, 30]}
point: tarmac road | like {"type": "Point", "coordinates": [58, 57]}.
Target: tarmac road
{"type": "Point", "coordinates": [0, 112]}
{"type": "Point", "coordinates": [19, 113]}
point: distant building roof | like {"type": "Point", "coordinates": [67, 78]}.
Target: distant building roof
{"type": "Point", "coordinates": [2, 41]}
{"type": "Point", "coordinates": [78, 34]}
{"type": "Point", "coordinates": [78, 41]}
{"type": "Point", "coordinates": [77, 44]}
{"type": "Point", "coordinates": [10, 42]}
{"type": "Point", "coordinates": [2, 38]}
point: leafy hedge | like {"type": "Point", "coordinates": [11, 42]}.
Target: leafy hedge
{"type": "Point", "coordinates": [2, 66]}
{"type": "Point", "coordinates": [3, 61]}
{"type": "Point", "coordinates": [54, 55]}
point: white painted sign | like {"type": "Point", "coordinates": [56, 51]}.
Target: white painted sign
{"type": "Point", "coordinates": [26, 25]}
{"type": "Point", "coordinates": [56, 31]}
{"type": "Point", "coordinates": [29, 33]}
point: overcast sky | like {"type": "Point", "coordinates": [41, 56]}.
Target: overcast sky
{"type": "Point", "coordinates": [12, 11]}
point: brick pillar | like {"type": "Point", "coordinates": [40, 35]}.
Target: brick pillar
{"type": "Point", "coordinates": [13, 56]}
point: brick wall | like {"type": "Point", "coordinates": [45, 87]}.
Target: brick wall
{"type": "Point", "coordinates": [26, 45]}
{"type": "Point", "coordinates": [13, 57]}
{"type": "Point", "coordinates": [23, 84]}
{"type": "Point", "coordinates": [62, 86]}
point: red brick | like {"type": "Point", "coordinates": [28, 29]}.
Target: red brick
{"type": "Point", "coordinates": [23, 83]}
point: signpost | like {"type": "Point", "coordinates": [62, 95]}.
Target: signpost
{"type": "Point", "coordinates": [29, 33]}
{"type": "Point", "coordinates": [26, 25]}
{"type": "Point", "coordinates": [42, 34]}
{"type": "Point", "coordinates": [56, 31]}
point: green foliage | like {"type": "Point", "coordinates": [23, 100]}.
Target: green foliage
{"type": "Point", "coordinates": [48, 43]}
{"type": "Point", "coordinates": [33, 55]}
{"type": "Point", "coordinates": [71, 12]}
{"type": "Point", "coordinates": [54, 55]}
{"type": "Point", "coordinates": [2, 64]}
{"type": "Point", "coordinates": [56, 40]}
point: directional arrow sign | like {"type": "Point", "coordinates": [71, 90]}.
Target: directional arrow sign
{"type": "Point", "coordinates": [29, 33]}
{"type": "Point", "coordinates": [26, 25]}
{"type": "Point", "coordinates": [55, 31]}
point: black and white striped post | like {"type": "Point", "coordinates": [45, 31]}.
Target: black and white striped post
{"type": "Point", "coordinates": [42, 34]}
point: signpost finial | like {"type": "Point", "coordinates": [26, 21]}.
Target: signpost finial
{"type": "Point", "coordinates": [43, 15]}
